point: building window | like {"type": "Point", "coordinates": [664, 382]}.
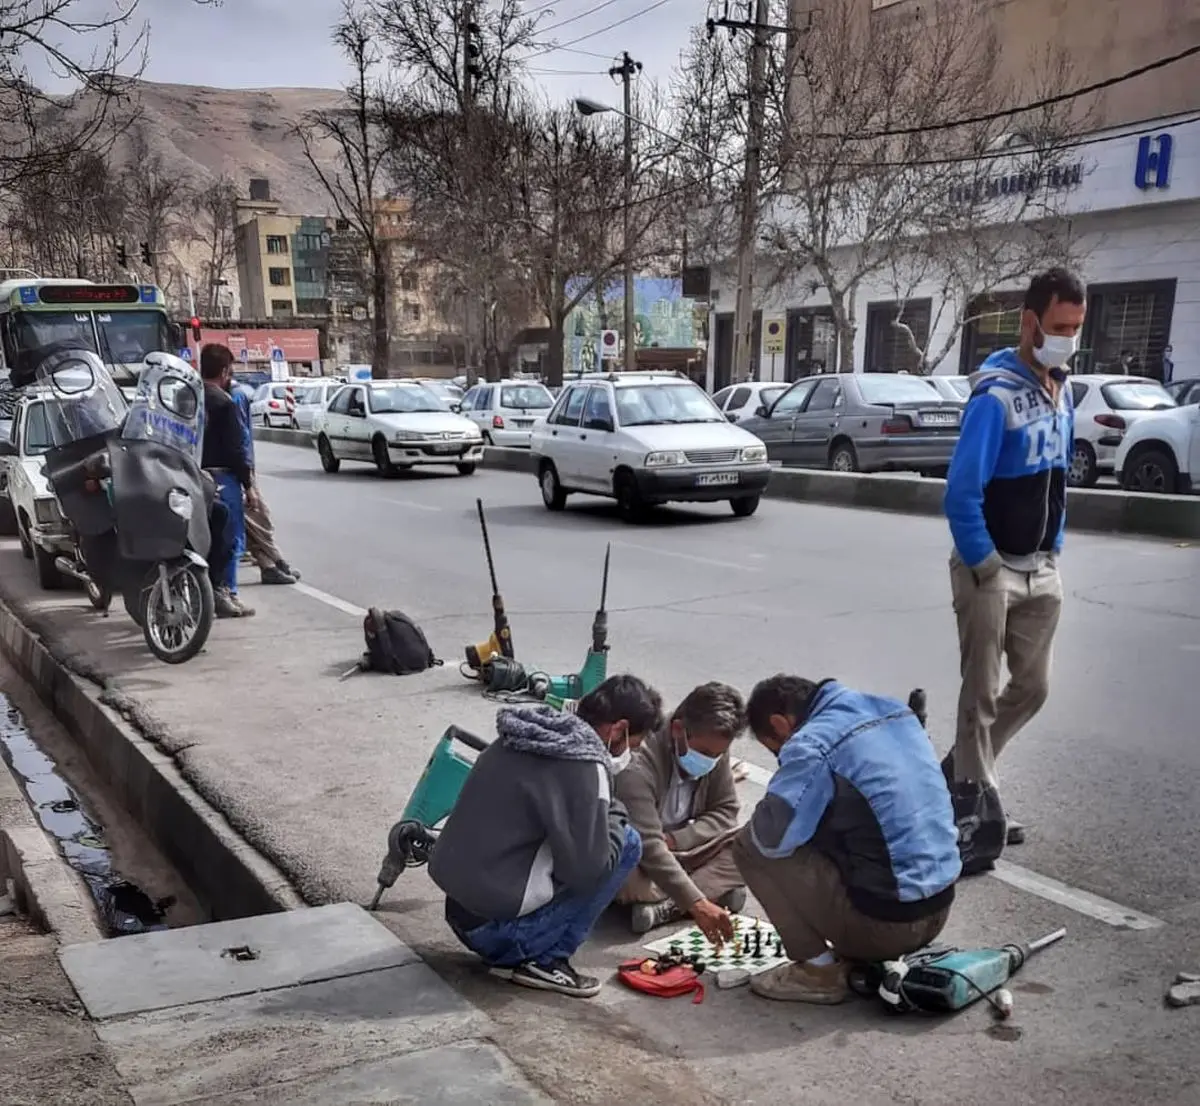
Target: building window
{"type": "Point", "coordinates": [280, 278]}
{"type": "Point", "coordinates": [412, 312]}
{"type": "Point", "coordinates": [993, 322]}
{"type": "Point", "coordinates": [277, 243]}
{"type": "Point", "coordinates": [888, 347]}
{"type": "Point", "coordinates": [1127, 328]}
{"type": "Point", "coordinates": [305, 274]}
{"type": "Point", "coordinates": [312, 307]}
{"type": "Point", "coordinates": [281, 307]}
{"type": "Point", "coordinates": [309, 243]}
{"type": "Point", "coordinates": [408, 281]}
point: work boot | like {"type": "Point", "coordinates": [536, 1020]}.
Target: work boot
{"type": "Point", "coordinates": [273, 574]}
{"type": "Point", "coordinates": [650, 915]}
{"type": "Point", "coordinates": [734, 901]}
{"type": "Point", "coordinates": [556, 976]}
{"type": "Point", "coordinates": [823, 985]}
{"type": "Point", "coordinates": [1015, 835]}
{"type": "Point", "coordinates": [228, 605]}
{"type": "Point", "coordinates": [287, 569]}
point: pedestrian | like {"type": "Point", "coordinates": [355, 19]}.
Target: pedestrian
{"type": "Point", "coordinates": [260, 530]}
{"type": "Point", "coordinates": [853, 852]}
{"type": "Point", "coordinates": [1168, 366]}
{"type": "Point", "coordinates": [682, 799]}
{"type": "Point", "coordinates": [224, 457]}
{"type": "Point", "coordinates": [1006, 503]}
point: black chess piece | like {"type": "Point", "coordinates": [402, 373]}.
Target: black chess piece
{"type": "Point", "coordinates": [758, 942]}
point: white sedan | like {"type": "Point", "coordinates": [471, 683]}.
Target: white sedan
{"type": "Point", "coordinates": [396, 425]}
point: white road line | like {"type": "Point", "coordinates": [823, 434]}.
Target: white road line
{"type": "Point", "coordinates": [329, 600]}
{"type": "Point", "coordinates": [1081, 902]}
{"type": "Point", "coordinates": [689, 557]}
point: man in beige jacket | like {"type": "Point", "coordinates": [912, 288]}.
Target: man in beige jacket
{"type": "Point", "coordinates": [681, 797]}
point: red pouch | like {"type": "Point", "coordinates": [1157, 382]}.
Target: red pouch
{"type": "Point", "coordinates": [680, 980]}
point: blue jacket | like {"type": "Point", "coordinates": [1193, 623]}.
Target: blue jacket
{"type": "Point", "coordinates": [241, 398]}
{"type": "Point", "coordinates": [860, 782]}
{"type": "Point", "coordinates": [1006, 493]}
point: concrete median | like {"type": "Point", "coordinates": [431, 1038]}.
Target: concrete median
{"type": "Point", "coordinates": [1105, 512]}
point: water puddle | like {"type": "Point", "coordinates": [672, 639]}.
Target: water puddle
{"type": "Point", "coordinates": [123, 908]}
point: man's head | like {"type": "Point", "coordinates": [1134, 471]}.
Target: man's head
{"type": "Point", "coordinates": [704, 726]}
{"type": "Point", "coordinates": [622, 710]}
{"type": "Point", "coordinates": [1052, 317]}
{"type": "Point", "coordinates": [778, 707]}
{"type": "Point", "coordinates": [216, 365]}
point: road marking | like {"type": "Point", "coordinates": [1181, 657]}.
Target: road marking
{"type": "Point", "coordinates": [329, 600]}
{"type": "Point", "coordinates": [1033, 883]}
{"type": "Point", "coordinates": [407, 503]}
{"type": "Point", "coordinates": [688, 557]}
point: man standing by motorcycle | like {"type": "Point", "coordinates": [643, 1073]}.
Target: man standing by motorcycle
{"type": "Point", "coordinates": [225, 458]}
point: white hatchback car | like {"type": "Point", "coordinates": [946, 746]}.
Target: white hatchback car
{"type": "Point", "coordinates": [312, 399]}
{"type": "Point", "coordinates": [646, 439]}
{"type": "Point", "coordinates": [740, 401]}
{"type": "Point", "coordinates": [269, 407]}
{"type": "Point", "coordinates": [508, 410]}
{"type": "Point", "coordinates": [1106, 408]}
{"type": "Point", "coordinates": [1161, 453]}
{"type": "Point", "coordinates": [395, 424]}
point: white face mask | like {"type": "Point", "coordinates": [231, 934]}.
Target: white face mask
{"type": "Point", "coordinates": [619, 764]}
{"type": "Point", "coordinates": [1056, 350]}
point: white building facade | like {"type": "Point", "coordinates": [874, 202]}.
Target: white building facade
{"type": "Point", "coordinates": [1134, 211]}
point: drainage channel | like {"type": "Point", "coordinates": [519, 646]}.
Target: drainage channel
{"type": "Point", "coordinates": [65, 813]}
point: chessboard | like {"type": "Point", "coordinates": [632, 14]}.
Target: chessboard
{"type": "Point", "coordinates": [755, 946]}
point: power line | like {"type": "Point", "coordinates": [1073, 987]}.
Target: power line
{"type": "Point", "coordinates": [581, 15]}
{"type": "Point", "coordinates": [569, 72]}
{"type": "Point", "coordinates": [593, 34]}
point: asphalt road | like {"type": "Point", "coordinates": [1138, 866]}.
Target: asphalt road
{"type": "Point", "coordinates": [313, 771]}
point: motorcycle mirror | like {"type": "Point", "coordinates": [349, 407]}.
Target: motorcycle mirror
{"type": "Point", "coordinates": [73, 379]}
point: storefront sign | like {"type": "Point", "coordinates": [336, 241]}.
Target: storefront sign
{"type": "Point", "coordinates": [1015, 184]}
{"type": "Point", "coordinates": [1153, 168]}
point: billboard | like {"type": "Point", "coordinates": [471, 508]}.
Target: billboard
{"type": "Point", "coordinates": [298, 345]}
{"type": "Point", "coordinates": [663, 318]}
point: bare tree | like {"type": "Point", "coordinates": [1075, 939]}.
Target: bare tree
{"type": "Point", "coordinates": [158, 198]}
{"type": "Point", "coordinates": [356, 181]}
{"type": "Point", "coordinates": [213, 210]}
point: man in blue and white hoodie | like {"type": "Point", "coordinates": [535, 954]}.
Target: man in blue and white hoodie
{"type": "Point", "coordinates": [1006, 502]}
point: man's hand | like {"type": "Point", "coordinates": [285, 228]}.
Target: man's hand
{"type": "Point", "coordinates": [252, 499]}
{"type": "Point", "coordinates": [713, 921]}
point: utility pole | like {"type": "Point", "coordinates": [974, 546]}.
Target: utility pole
{"type": "Point", "coordinates": [472, 51]}
{"type": "Point", "coordinates": [627, 70]}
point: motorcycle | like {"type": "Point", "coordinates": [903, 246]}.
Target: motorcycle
{"type": "Point", "coordinates": [129, 481]}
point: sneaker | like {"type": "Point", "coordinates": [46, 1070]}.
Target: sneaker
{"type": "Point", "coordinates": [500, 971]}
{"type": "Point", "coordinates": [734, 901]}
{"type": "Point", "coordinates": [556, 976]}
{"type": "Point", "coordinates": [650, 915]}
{"type": "Point", "coordinates": [275, 575]}
{"type": "Point", "coordinates": [287, 569]}
{"type": "Point", "coordinates": [1015, 834]}
{"type": "Point", "coordinates": [228, 605]}
{"type": "Point", "coordinates": [824, 986]}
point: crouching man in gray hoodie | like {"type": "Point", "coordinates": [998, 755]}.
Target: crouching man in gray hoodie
{"type": "Point", "coordinates": [536, 847]}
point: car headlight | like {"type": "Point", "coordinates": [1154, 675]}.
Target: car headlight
{"type": "Point", "coordinates": [754, 453]}
{"type": "Point", "coordinates": [665, 457]}
{"type": "Point", "coordinates": [180, 502]}
{"type": "Point", "coordinates": [46, 511]}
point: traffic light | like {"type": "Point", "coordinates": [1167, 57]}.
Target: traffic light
{"type": "Point", "coordinates": [474, 50]}
{"type": "Point", "coordinates": [122, 255]}
{"type": "Point", "coordinates": [147, 256]}
{"type": "Point", "coordinates": [196, 329]}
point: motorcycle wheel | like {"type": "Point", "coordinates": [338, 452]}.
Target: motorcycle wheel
{"type": "Point", "coordinates": [175, 638]}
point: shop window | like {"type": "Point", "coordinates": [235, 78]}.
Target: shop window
{"type": "Point", "coordinates": [1127, 328]}
{"type": "Point", "coordinates": [277, 243]}
{"type": "Point", "coordinates": [811, 343]}
{"type": "Point", "coordinates": [993, 322]}
{"type": "Point", "coordinates": [888, 347]}
{"type": "Point", "coordinates": [280, 278]}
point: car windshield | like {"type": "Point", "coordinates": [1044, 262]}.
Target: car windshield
{"type": "Point", "coordinates": [657, 404]}
{"type": "Point", "coordinates": [959, 384]}
{"type": "Point", "coordinates": [127, 336]}
{"type": "Point", "coordinates": [883, 390]}
{"type": "Point", "coordinates": [1137, 395]}
{"type": "Point", "coordinates": [529, 397]}
{"type": "Point", "coordinates": [405, 399]}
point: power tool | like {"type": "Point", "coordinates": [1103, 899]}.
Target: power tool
{"type": "Point", "coordinates": [499, 643]}
{"type": "Point", "coordinates": [562, 689]}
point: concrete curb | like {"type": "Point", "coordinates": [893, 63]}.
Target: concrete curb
{"type": "Point", "coordinates": [46, 888]}
{"type": "Point", "coordinates": [1104, 512]}
{"type": "Point", "coordinates": [231, 879]}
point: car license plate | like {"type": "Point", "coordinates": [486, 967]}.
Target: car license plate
{"type": "Point", "coordinates": [522, 424]}
{"type": "Point", "coordinates": [707, 479]}
{"type": "Point", "coordinates": [446, 447]}
{"type": "Point", "coordinates": [940, 418]}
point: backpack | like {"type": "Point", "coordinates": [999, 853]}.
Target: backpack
{"type": "Point", "coordinates": [395, 644]}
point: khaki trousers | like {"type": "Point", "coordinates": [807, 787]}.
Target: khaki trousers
{"type": "Point", "coordinates": [806, 901]}
{"type": "Point", "coordinates": [260, 535]}
{"type": "Point", "coordinates": [1009, 616]}
{"type": "Point", "coordinates": [715, 875]}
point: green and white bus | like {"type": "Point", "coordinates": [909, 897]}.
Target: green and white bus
{"type": "Point", "coordinates": [119, 322]}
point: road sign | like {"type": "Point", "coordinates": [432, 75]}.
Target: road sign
{"type": "Point", "coordinates": [277, 354]}
{"type": "Point", "coordinates": [610, 345]}
{"type": "Point", "coordinates": [186, 353]}
{"type": "Point", "coordinates": [774, 335]}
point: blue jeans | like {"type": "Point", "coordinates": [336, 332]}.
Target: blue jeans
{"type": "Point", "coordinates": [229, 489]}
{"type": "Point", "coordinates": [556, 930]}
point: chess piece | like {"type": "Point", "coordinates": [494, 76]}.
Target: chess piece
{"type": "Point", "coordinates": [757, 942]}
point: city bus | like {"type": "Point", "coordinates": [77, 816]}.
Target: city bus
{"type": "Point", "coordinates": [119, 322]}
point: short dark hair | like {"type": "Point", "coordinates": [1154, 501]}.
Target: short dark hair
{"type": "Point", "coordinates": [781, 694]}
{"type": "Point", "coordinates": [713, 708]}
{"type": "Point", "coordinates": [214, 360]}
{"type": "Point", "coordinates": [1054, 284]}
{"type": "Point", "coordinates": [623, 699]}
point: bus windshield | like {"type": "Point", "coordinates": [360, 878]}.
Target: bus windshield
{"type": "Point", "coordinates": [35, 330]}
{"type": "Point", "coordinates": [127, 336]}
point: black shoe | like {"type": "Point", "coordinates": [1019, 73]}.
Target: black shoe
{"type": "Point", "coordinates": [558, 976]}
{"type": "Point", "coordinates": [287, 569]}
{"type": "Point", "coordinates": [274, 575]}
{"type": "Point", "coordinates": [1016, 833]}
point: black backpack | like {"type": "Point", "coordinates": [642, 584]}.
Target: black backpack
{"type": "Point", "coordinates": [395, 644]}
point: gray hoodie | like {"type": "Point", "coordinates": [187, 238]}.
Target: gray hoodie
{"type": "Point", "coordinates": [535, 819]}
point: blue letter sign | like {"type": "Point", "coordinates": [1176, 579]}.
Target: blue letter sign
{"type": "Point", "coordinates": [1153, 162]}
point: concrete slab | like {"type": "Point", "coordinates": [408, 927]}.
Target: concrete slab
{"type": "Point", "coordinates": [154, 971]}
{"type": "Point", "coordinates": [457, 1075]}
{"type": "Point", "coordinates": [219, 1048]}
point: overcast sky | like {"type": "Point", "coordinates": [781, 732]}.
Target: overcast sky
{"type": "Point", "coordinates": [285, 43]}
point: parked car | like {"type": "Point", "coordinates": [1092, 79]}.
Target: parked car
{"type": "Point", "coordinates": [1105, 407]}
{"type": "Point", "coordinates": [269, 406]}
{"type": "Point", "coordinates": [740, 401]}
{"type": "Point", "coordinates": [861, 422]}
{"type": "Point", "coordinates": [446, 390]}
{"type": "Point", "coordinates": [952, 387]}
{"type": "Point", "coordinates": [310, 399]}
{"type": "Point", "coordinates": [395, 424]}
{"type": "Point", "coordinates": [1161, 453]}
{"type": "Point", "coordinates": [506, 412]}
{"type": "Point", "coordinates": [646, 438]}
{"type": "Point", "coordinates": [1185, 392]}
